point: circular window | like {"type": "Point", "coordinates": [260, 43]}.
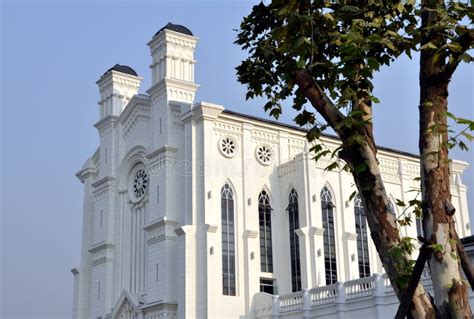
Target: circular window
{"type": "Point", "coordinates": [140, 184]}
{"type": "Point", "coordinates": [264, 154]}
{"type": "Point", "coordinates": [227, 146]}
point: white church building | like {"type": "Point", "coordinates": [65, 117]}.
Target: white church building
{"type": "Point", "coordinates": [195, 211]}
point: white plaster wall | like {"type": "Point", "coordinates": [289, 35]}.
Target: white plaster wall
{"type": "Point", "coordinates": [179, 147]}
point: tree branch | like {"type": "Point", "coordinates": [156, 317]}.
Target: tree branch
{"type": "Point", "coordinates": [465, 262]}
{"type": "Point", "coordinates": [465, 40]}
{"type": "Point", "coordinates": [316, 96]}
{"type": "Point", "coordinates": [407, 294]}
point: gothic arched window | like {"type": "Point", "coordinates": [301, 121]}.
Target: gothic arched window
{"type": "Point", "coordinates": [327, 208]}
{"type": "Point", "coordinates": [294, 243]}
{"type": "Point", "coordinates": [419, 227]}
{"type": "Point", "coordinates": [265, 227]}
{"type": "Point", "coordinates": [362, 244]}
{"type": "Point", "coordinates": [228, 241]}
{"type": "Point", "coordinates": [392, 210]}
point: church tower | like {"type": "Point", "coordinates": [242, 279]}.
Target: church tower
{"type": "Point", "coordinates": [172, 88]}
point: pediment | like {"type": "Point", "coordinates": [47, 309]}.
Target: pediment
{"type": "Point", "coordinates": [125, 308]}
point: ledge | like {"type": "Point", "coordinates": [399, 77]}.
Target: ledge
{"type": "Point", "coordinates": [99, 247]}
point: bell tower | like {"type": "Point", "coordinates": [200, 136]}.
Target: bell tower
{"type": "Point", "coordinates": [172, 88]}
{"type": "Point", "coordinates": [117, 86]}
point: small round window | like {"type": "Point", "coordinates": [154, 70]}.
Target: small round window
{"type": "Point", "coordinates": [140, 184]}
{"type": "Point", "coordinates": [264, 154]}
{"type": "Point", "coordinates": [227, 146]}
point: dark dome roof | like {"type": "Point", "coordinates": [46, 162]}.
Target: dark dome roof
{"type": "Point", "coordinates": [122, 69]}
{"type": "Point", "coordinates": [176, 27]}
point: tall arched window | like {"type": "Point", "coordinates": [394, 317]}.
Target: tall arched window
{"type": "Point", "coordinates": [419, 227]}
{"type": "Point", "coordinates": [228, 241]}
{"type": "Point", "coordinates": [392, 210]}
{"type": "Point", "coordinates": [294, 243]}
{"type": "Point", "coordinates": [362, 244]}
{"type": "Point", "coordinates": [329, 238]}
{"type": "Point", "coordinates": [265, 227]}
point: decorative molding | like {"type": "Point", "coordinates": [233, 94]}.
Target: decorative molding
{"type": "Point", "coordinates": [101, 253]}
{"type": "Point", "coordinates": [159, 310]}
{"type": "Point", "coordinates": [100, 247]}
{"type": "Point", "coordinates": [259, 136]}
{"type": "Point", "coordinates": [251, 233]}
{"type": "Point", "coordinates": [85, 173]}
{"type": "Point", "coordinates": [351, 236]}
{"type": "Point", "coordinates": [160, 40]}
{"type": "Point", "coordinates": [211, 228]}
{"type": "Point", "coordinates": [161, 159]}
{"type": "Point", "coordinates": [222, 129]}
{"type": "Point", "coordinates": [106, 125]}
{"type": "Point", "coordinates": [159, 230]}
{"type": "Point", "coordinates": [318, 231]}
{"type": "Point", "coordinates": [114, 77]}
{"type": "Point", "coordinates": [139, 116]}
{"type": "Point", "coordinates": [173, 90]}
{"type": "Point", "coordinates": [103, 187]}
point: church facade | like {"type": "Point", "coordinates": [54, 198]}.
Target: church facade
{"type": "Point", "coordinates": [190, 210]}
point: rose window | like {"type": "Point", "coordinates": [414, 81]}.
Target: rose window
{"type": "Point", "coordinates": [140, 183]}
{"type": "Point", "coordinates": [264, 154]}
{"type": "Point", "coordinates": [227, 146]}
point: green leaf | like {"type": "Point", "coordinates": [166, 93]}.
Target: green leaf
{"type": "Point", "coordinates": [437, 248]}
{"type": "Point", "coordinates": [301, 64]}
{"type": "Point", "coordinates": [428, 45]}
{"type": "Point", "coordinates": [331, 167]}
{"type": "Point", "coordinates": [400, 203]}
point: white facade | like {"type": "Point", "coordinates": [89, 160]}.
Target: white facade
{"type": "Point", "coordinates": [154, 240]}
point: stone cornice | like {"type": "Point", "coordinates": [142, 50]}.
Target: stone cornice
{"type": "Point", "coordinates": [85, 173]}
{"type": "Point", "coordinates": [104, 182]}
{"type": "Point", "coordinates": [251, 233]}
{"type": "Point", "coordinates": [161, 222]}
{"type": "Point", "coordinates": [167, 150]}
{"type": "Point", "coordinates": [170, 36]}
{"type": "Point", "coordinates": [211, 228]}
{"type": "Point", "coordinates": [456, 166]}
{"type": "Point", "coordinates": [136, 101]}
{"type": "Point", "coordinates": [100, 247]}
{"type": "Point", "coordinates": [161, 159]}
{"type": "Point", "coordinates": [119, 78]}
{"type": "Point", "coordinates": [167, 84]}
{"type": "Point", "coordinates": [160, 229]}
{"type": "Point", "coordinates": [318, 231]}
{"type": "Point", "coordinates": [106, 124]}
{"type": "Point", "coordinates": [351, 236]}
{"type": "Point", "coordinates": [205, 111]}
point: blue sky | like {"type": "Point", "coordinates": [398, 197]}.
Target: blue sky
{"type": "Point", "coordinates": [52, 52]}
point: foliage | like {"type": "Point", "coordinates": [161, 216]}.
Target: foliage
{"type": "Point", "coordinates": [328, 52]}
{"type": "Point", "coordinates": [342, 44]}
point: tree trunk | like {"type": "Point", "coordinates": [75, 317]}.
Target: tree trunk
{"type": "Point", "coordinates": [450, 292]}
{"type": "Point", "coordinates": [382, 224]}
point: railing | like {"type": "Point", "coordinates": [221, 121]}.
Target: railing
{"type": "Point", "coordinates": [360, 288]}
{"type": "Point", "coordinates": [387, 284]}
{"type": "Point", "coordinates": [323, 295]}
{"type": "Point", "coordinates": [291, 302]}
{"type": "Point", "coordinates": [341, 297]}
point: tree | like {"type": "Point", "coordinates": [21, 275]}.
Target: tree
{"type": "Point", "coordinates": [326, 53]}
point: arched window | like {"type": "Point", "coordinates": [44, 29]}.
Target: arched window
{"type": "Point", "coordinates": [362, 244]}
{"type": "Point", "coordinates": [294, 243]}
{"type": "Point", "coordinates": [419, 227]}
{"type": "Point", "coordinates": [392, 210]}
{"type": "Point", "coordinates": [228, 241]}
{"type": "Point", "coordinates": [329, 239]}
{"type": "Point", "coordinates": [265, 227]}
